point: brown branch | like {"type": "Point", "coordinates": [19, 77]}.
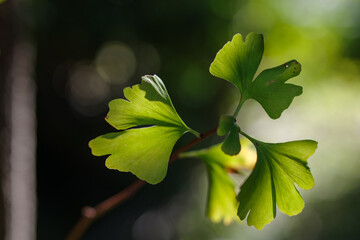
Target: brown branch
{"type": "Point", "coordinates": [176, 154]}
{"type": "Point", "coordinates": [91, 214]}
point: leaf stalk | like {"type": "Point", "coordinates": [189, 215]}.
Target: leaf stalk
{"type": "Point", "coordinates": [241, 101]}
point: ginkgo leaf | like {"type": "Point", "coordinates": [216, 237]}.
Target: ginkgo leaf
{"type": "Point", "coordinates": [147, 103]}
{"type": "Point", "coordinates": [231, 144]}
{"type": "Point", "coordinates": [145, 150]}
{"type": "Point", "coordinates": [222, 204]}
{"type": "Point", "coordinates": [279, 166]}
{"type": "Point", "coordinates": [271, 91]}
{"type": "Point", "coordinates": [226, 123]}
{"type": "Point", "coordinates": [238, 61]}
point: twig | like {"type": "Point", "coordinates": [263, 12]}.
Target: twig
{"type": "Point", "coordinates": [176, 154]}
{"type": "Point", "coordinates": [91, 214]}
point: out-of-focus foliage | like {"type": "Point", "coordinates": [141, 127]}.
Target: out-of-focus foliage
{"type": "Point", "coordinates": [222, 204]}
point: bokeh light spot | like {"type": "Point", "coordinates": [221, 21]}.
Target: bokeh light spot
{"type": "Point", "coordinates": [87, 91]}
{"type": "Point", "coordinates": [116, 63]}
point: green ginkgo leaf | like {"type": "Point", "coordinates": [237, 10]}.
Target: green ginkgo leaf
{"type": "Point", "coordinates": [226, 123]}
{"type": "Point", "coordinates": [231, 144]}
{"type": "Point", "coordinates": [222, 204]}
{"type": "Point", "coordinates": [272, 182]}
{"type": "Point", "coordinates": [147, 103]}
{"type": "Point", "coordinates": [237, 63]}
{"type": "Point", "coordinates": [271, 91]}
{"type": "Point", "coordinates": [145, 150]}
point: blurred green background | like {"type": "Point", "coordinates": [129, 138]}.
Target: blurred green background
{"type": "Point", "coordinates": [88, 51]}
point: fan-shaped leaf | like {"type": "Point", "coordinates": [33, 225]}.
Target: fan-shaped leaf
{"type": "Point", "coordinates": [143, 151]}
{"type": "Point", "coordinates": [271, 91]}
{"type": "Point", "coordinates": [271, 183]}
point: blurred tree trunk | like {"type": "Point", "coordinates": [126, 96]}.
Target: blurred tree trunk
{"type": "Point", "coordinates": [6, 51]}
{"type": "Point", "coordinates": [17, 127]}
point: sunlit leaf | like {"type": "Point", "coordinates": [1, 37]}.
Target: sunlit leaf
{"type": "Point", "coordinates": [222, 204]}
{"type": "Point", "coordinates": [238, 61]}
{"type": "Point", "coordinates": [279, 166]}
{"type": "Point", "coordinates": [271, 91]}
{"type": "Point", "coordinates": [147, 103]}
{"type": "Point", "coordinates": [143, 151]}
